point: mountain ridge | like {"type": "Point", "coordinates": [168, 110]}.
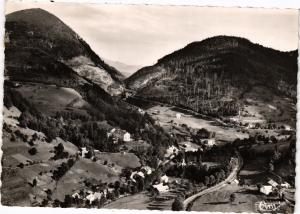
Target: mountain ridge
{"type": "Point", "coordinates": [37, 28]}
{"type": "Point", "coordinates": [212, 76]}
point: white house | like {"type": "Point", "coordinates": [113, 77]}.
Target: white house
{"type": "Point", "coordinates": [211, 142]}
{"type": "Point", "coordinates": [273, 183]}
{"type": "Point", "coordinates": [266, 190]}
{"type": "Point", "coordinates": [83, 151]}
{"type": "Point", "coordinates": [141, 174]}
{"type": "Point", "coordinates": [76, 195]}
{"type": "Point", "coordinates": [94, 196]}
{"type": "Point", "coordinates": [141, 111]}
{"type": "Point", "coordinates": [126, 137]}
{"type": "Point", "coordinates": [178, 115]}
{"type": "Point", "coordinates": [147, 169]}
{"type": "Point", "coordinates": [161, 188]}
{"type": "Point", "coordinates": [286, 185]}
{"type": "Point", "coordinates": [164, 179]}
{"type": "Point", "coordinates": [171, 150]}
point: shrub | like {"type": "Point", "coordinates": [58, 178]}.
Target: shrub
{"type": "Point", "coordinates": [32, 151]}
{"type": "Point", "coordinates": [177, 205]}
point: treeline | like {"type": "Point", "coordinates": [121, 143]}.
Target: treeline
{"type": "Point", "coordinates": [82, 128]}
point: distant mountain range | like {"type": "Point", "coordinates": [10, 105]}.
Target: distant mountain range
{"type": "Point", "coordinates": [217, 75]}
{"type": "Point", "coordinates": [124, 68]}
{"type": "Point", "coordinates": [38, 42]}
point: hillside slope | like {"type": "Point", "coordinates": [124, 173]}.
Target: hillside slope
{"type": "Point", "coordinates": [218, 75]}
{"type": "Point", "coordinates": [36, 40]}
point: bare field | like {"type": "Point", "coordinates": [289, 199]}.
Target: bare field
{"type": "Point", "coordinates": [165, 114]}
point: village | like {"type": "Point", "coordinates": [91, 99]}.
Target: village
{"type": "Point", "coordinates": [171, 179]}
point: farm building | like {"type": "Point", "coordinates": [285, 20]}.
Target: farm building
{"type": "Point", "coordinates": [164, 179]}
{"type": "Point", "coordinates": [84, 151]}
{"type": "Point", "coordinates": [266, 189]}
{"type": "Point", "coordinates": [141, 111]}
{"type": "Point", "coordinates": [147, 170]}
{"type": "Point", "coordinates": [273, 183]}
{"type": "Point", "coordinates": [160, 188]}
{"type": "Point", "coordinates": [178, 115]}
{"type": "Point", "coordinates": [133, 174]}
{"type": "Point", "coordinates": [126, 137]}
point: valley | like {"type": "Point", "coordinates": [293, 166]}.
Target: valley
{"type": "Point", "coordinates": [209, 127]}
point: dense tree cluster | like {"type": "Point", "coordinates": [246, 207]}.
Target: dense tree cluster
{"type": "Point", "coordinates": [83, 128]}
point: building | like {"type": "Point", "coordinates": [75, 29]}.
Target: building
{"type": "Point", "coordinates": [178, 115]}
{"type": "Point", "coordinates": [147, 170]}
{"type": "Point", "coordinates": [267, 189]}
{"type": "Point", "coordinates": [273, 183]}
{"type": "Point", "coordinates": [164, 179]}
{"type": "Point", "coordinates": [126, 137]}
{"type": "Point", "coordinates": [160, 188]}
{"type": "Point", "coordinates": [141, 111]}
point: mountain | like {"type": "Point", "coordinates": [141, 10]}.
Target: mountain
{"type": "Point", "coordinates": [125, 69]}
{"type": "Point", "coordinates": [36, 41]}
{"type": "Point", "coordinates": [218, 76]}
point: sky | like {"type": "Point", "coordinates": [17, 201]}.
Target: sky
{"type": "Point", "coordinates": [141, 34]}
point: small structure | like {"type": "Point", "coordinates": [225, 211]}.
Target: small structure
{"type": "Point", "coordinates": [160, 188]}
{"type": "Point", "coordinates": [273, 183]}
{"type": "Point", "coordinates": [133, 174]}
{"type": "Point", "coordinates": [178, 115]}
{"type": "Point", "coordinates": [285, 185]}
{"type": "Point", "coordinates": [126, 137]}
{"type": "Point", "coordinates": [164, 179]}
{"type": "Point", "coordinates": [171, 151]}
{"type": "Point", "coordinates": [266, 190]}
{"type": "Point", "coordinates": [84, 151]}
{"type": "Point", "coordinates": [211, 142]}
{"type": "Point", "coordinates": [141, 111]}
{"type": "Point", "coordinates": [236, 181]}
{"type": "Point", "coordinates": [94, 196]}
{"type": "Point", "coordinates": [76, 195]}
{"type": "Point", "coordinates": [147, 170]}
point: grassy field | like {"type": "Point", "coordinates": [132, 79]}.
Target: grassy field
{"type": "Point", "coordinates": [269, 107]}
{"type": "Point", "coordinates": [57, 99]}
{"type": "Point", "coordinates": [123, 160]}
{"type": "Point", "coordinates": [165, 114]}
{"type": "Point", "coordinates": [218, 201]}
{"type": "Point", "coordinates": [83, 169]}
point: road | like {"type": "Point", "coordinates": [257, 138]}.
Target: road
{"type": "Point", "coordinates": [218, 186]}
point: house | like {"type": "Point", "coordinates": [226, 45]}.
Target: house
{"type": "Point", "coordinates": [236, 181]}
{"type": "Point", "coordinates": [273, 183]}
{"type": "Point", "coordinates": [76, 195]}
{"type": "Point", "coordinates": [164, 179]}
{"type": "Point", "coordinates": [266, 189]}
{"type": "Point", "coordinates": [147, 170]}
{"type": "Point", "coordinates": [210, 142]}
{"type": "Point", "coordinates": [171, 150]}
{"type": "Point", "coordinates": [133, 174]}
{"type": "Point", "coordinates": [285, 185]}
{"type": "Point", "coordinates": [141, 111]}
{"type": "Point", "coordinates": [126, 137]}
{"type": "Point", "coordinates": [84, 151]}
{"type": "Point", "coordinates": [94, 196]}
{"type": "Point", "coordinates": [160, 188]}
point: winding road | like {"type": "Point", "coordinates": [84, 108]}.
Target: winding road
{"type": "Point", "coordinates": [218, 186]}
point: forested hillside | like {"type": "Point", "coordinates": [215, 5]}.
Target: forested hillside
{"type": "Point", "coordinates": [215, 76]}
